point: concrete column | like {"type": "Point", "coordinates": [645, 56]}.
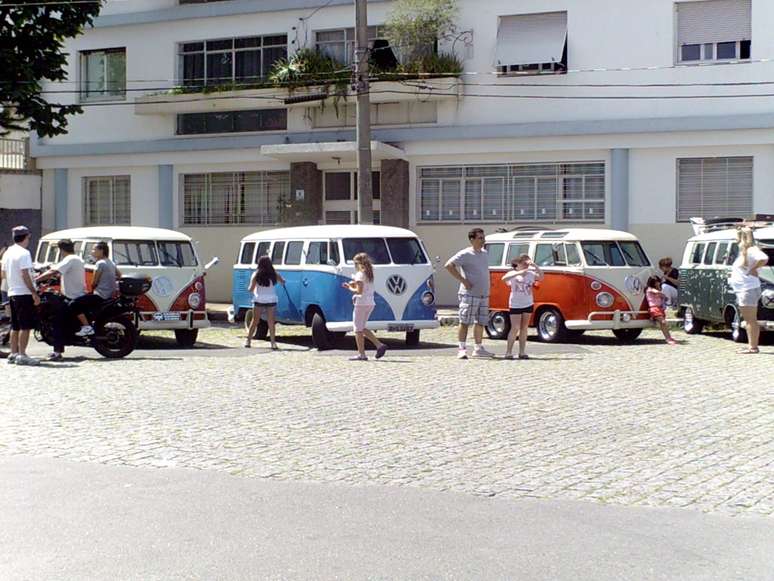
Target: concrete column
{"type": "Point", "coordinates": [619, 189]}
{"type": "Point", "coordinates": [166, 197]}
{"type": "Point", "coordinates": [395, 193]}
{"type": "Point", "coordinates": [306, 178]}
{"type": "Point", "coordinates": [60, 198]}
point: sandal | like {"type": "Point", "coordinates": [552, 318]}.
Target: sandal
{"type": "Point", "coordinates": [508, 356]}
{"type": "Point", "coordinates": [748, 351]}
{"type": "Point", "coordinates": [523, 356]}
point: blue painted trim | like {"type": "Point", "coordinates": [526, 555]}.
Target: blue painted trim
{"type": "Point", "coordinates": [60, 198]}
{"type": "Point", "coordinates": [409, 134]}
{"type": "Point", "coordinates": [619, 189]}
{"type": "Point", "coordinates": [231, 8]}
{"type": "Point", "coordinates": [166, 196]}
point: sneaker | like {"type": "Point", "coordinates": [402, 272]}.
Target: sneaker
{"type": "Point", "coordinates": [247, 344]}
{"type": "Point", "coordinates": [523, 356]}
{"type": "Point", "coordinates": [359, 358]}
{"type": "Point", "coordinates": [671, 342]}
{"type": "Point", "coordinates": [25, 360]}
{"type": "Point", "coordinates": [380, 351]}
{"type": "Point", "coordinates": [12, 358]}
{"type": "Point", "coordinates": [462, 354]}
{"type": "Point", "coordinates": [55, 357]}
{"type": "Point", "coordinates": [508, 356]}
{"type": "Point", "coordinates": [483, 353]}
{"type": "Point", "coordinates": [85, 331]}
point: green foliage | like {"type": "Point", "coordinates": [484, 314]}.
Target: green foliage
{"type": "Point", "coordinates": [31, 43]}
{"type": "Point", "coordinates": [433, 65]}
{"type": "Point", "coordinates": [307, 67]}
{"type": "Point", "coordinates": [414, 26]}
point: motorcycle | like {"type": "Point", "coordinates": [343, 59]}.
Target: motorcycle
{"type": "Point", "coordinates": [114, 322]}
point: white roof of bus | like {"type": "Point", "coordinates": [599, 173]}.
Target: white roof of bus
{"type": "Point", "coordinates": [117, 233]}
{"type": "Point", "coordinates": [330, 231]}
{"type": "Point", "coordinates": [730, 234]}
{"type": "Point", "coordinates": [572, 234]}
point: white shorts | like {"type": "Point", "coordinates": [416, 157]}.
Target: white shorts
{"type": "Point", "coordinates": [749, 297]}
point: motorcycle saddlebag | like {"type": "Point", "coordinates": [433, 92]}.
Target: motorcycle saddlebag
{"type": "Point", "coordinates": [133, 286]}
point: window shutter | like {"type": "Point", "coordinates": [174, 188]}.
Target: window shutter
{"type": "Point", "coordinates": [712, 21]}
{"type": "Point", "coordinates": [714, 187]}
{"type": "Point", "coordinates": [528, 39]}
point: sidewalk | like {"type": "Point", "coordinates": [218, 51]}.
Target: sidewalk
{"type": "Point", "coordinates": [64, 520]}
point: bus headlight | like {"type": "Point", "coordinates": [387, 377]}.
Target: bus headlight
{"type": "Point", "coordinates": [194, 300]}
{"type": "Point", "coordinates": [428, 298]}
{"type": "Point", "coordinates": [605, 300]}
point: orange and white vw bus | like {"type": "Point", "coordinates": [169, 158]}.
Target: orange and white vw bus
{"type": "Point", "coordinates": [594, 279]}
{"type": "Point", "coordinates": [177, 298]}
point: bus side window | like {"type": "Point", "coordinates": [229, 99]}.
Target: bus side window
{"type": "Point", "coordinates": [544, 255]}
{"type": "Point", "coordinates": [317, 253]}
{"type": "Point", "coordinates": [263, 250]}
{"type": "Point", "coordinates": [495, 252]}
{"type": "Point", "coordinates": [248, 251]}
{"type": "Point", "coordinates": [333, 251]}
{"type": "Point", "coordinates": [722, 254]}
{"type": "Point", "coordinates": [573, 256]}
{"type": "Point", "coordinates": [294, 253]}
{"type": "Point", "coordinates": [710, 252]}
{"type": "Point", "coordinates": [698, 253]}
{"type": "Point", "coordinates": [42, 252]}
{"type": "Point", "coordinates": [277, 252]}
{"type": "Point", "coordinates": [515, 250]}
{"type": "Point", "coordinates": [733, 253]}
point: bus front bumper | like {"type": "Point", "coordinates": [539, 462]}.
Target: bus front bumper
{"type": "Point", "coordinates": [173, 320]}
{"type": "Point", "coordinates": [606, 320]}
{"type": "Point", "coordinates": [389, 326]}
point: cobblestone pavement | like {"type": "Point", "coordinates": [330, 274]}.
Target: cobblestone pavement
{"type": "Point", "coordinates": [646, 425]}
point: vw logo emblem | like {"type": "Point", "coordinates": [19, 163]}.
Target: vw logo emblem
{"type": "Point", "coordinates": [396, 284]}
{"type": "Point", "coordinates": [767, 299]}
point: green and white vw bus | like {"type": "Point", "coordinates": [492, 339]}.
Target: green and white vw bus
{"type": "Point", "coordinates": [705, 296]}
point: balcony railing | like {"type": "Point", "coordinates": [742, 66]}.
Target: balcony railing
{"type": "Point", "coordinates": [15, 155]}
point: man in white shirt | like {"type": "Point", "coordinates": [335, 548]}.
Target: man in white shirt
{"type": "Point", "coordinates": [17, 271]}
{"type": "Point", "coordinates": [72, 275]}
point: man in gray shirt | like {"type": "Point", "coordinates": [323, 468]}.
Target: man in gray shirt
{"type": "Point", "coordinates": [471, 268]}
{"type": "Point", "coordinates": [103, 285]}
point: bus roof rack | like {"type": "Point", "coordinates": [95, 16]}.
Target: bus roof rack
{"type": "Point", "coordinates": [702, 225]}
{"type": "Point", "coordinates": [535, 228]}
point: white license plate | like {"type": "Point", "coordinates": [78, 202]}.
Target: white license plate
{"type": "Point", "coordinates": [166, 316]}
{"type": "Point", "coordinates": [400, 327]}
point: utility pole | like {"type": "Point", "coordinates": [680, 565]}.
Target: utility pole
{"type": "Point", "coordinates": [365, 196]}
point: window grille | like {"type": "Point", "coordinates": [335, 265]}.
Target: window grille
{"type": "Point", "coordinates": [234, 197]}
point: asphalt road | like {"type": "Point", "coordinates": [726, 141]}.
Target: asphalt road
{"type": "Point", "coordinates": [74, 521]}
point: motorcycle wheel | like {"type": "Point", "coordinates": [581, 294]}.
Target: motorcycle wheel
{"type": "Point", "coordinates": [117, 337]}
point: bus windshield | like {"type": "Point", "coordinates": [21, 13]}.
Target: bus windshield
{"type": "Point", "coordinates": [176, 254]}
{"type": "Point", "coordinates": [374, 247]}
{"type": "Point", "coordinates": [602, 254]}
{"type": "Point", "coordinates": [406, 251]}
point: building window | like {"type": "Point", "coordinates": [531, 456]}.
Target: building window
{"type": "Point", "coordinates": [106, 201]}
{"type": "Point", "coordinates": [234, 197]}
{"type": "Point", "coordinates": [103, 74]}
{"type": "Point", "coordinates": [714, 187]}
{"type": "Point", "coordinates": [340, 44]}
{"type": "Point", "coordinates": [532, 43]}
{"type": "Point", "coordinates": [557, 192]}
{"type": "Point", "coordinates": [232, 121]}
{"type": "Point", "coordinates": [714, 30]}
{"type": "Point", "coordinates": [230, 60]}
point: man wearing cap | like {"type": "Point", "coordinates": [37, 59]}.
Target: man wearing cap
{"type": "Point", "coordinates": [17, 271]}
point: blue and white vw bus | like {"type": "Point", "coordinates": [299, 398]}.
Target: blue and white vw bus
{"type": "Point", "coordinates": [316, 260]}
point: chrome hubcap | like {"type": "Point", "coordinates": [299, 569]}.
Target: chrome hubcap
{"type": "Point", "coordinates": [498, 323]}
{"type": "Point", "coordinates": [548, 324]}
{"type": "Point", "coordinates": [688, 321]}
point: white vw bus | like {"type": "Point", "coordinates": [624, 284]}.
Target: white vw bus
{"type": "Point", "coordinates": [315, 260]}
{"type": "Point", "coordinates": [177, 299]}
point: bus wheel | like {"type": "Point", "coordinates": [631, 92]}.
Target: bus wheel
{"type": "Point", "coordinates": [691, 324]}
{"type": "Point", "coordinates": [499, 325]}
{"type": "Point", "coordinates": [321, 336]}
{"type": "Point", "coordinates": [186, 337]}
{"type": "Point", "coordinates": [738, 334]}
{"type": "Point", "coordinates": [412, 338]}
{"type": "Point", "coordinates": [627, 335]}
{"type": "Point", "coordinates": [550, 325]}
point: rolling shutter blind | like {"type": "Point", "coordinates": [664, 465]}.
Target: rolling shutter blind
{"type": "Point", "coordinates": [714, 187]}
{"type": "Point", "coordinates": [529, 39]}
{"type": "Point", "coordinates": [712, 21]}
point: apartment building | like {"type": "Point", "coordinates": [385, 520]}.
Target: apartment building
{"type": "Point", "coordinates": [604, 113]}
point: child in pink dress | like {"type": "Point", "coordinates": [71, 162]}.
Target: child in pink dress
{"type": "Point", "coordinates": [656, 302]}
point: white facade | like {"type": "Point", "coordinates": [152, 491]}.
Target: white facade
{"type": "Point", "coordinates": [501, 120]}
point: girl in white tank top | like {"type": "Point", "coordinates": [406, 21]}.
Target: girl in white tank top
{"type": "Point", "coordinates": [263, 288]}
